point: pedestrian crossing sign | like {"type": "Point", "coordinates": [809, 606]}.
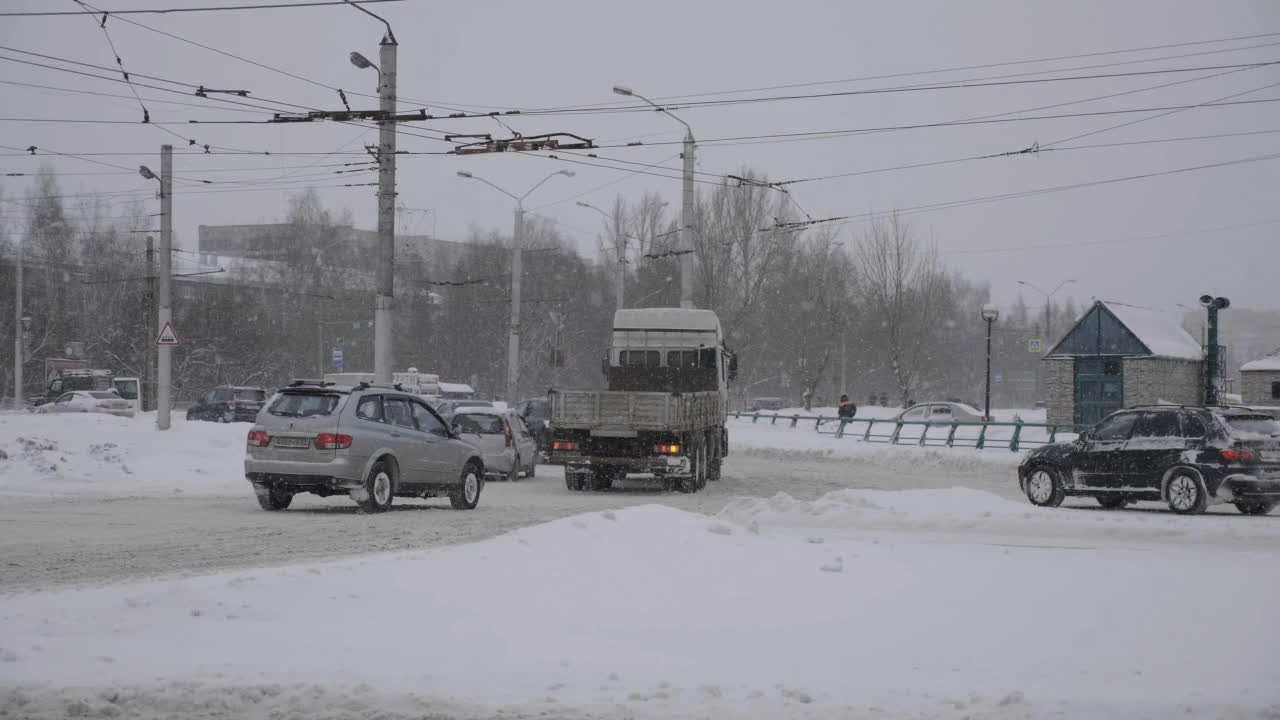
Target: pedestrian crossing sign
{"type": "Point", "coordinates": [167, 336]}
{"type": "Point", "coordinates": [1035, 345]}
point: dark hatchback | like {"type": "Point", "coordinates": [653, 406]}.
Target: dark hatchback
{"type": "Point", "coordinates": [227, 403]}
{"type": "Point", "coordinates": [1189, 457]}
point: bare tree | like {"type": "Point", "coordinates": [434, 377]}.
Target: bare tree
{"type": "Point", "coordinates": [902, 286]}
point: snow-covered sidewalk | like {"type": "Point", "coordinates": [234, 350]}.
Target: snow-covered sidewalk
{"type": "Point", "coordinates": [934, 603]}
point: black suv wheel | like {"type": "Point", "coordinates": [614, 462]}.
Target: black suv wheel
{"type": "Point", "coordinates": [1044, 487]}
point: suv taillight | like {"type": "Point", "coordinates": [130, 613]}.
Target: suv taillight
{"type": "Point", "coordinates": [330, 441]}
{"type": "Point", "coordinates": [1242, 455]}
{"type": "Point", "coordinates": [258, 438]}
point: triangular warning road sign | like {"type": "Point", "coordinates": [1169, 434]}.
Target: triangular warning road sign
{"type": "Point", "coordinates": [167, 335]}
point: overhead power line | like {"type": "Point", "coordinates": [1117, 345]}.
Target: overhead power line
{"type": "Point", "coordinates": [215, 8]}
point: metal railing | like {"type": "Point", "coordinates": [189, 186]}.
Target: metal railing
{"type": "Point", "coordinates": [891, 431]}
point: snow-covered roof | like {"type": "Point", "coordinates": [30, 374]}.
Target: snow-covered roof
{"type": "Point", "coordinates": [1160, 331]}
{"type": "Point", "coordinates": [1270, 362]}
{"type": "Point", "coordinates": [448, 387]}
{"type": "Point", "coordinates": [666, 319]}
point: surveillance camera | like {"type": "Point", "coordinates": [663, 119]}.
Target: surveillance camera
{"type": "Point", "coordinates": [1206, 300]}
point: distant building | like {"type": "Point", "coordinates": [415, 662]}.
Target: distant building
{"type": "Point", "coordinates": [267, 242]}
{"type": "Point", "coordinates": [1117, 356]}
{"type": "Point", "coordinates": [1260, 381]}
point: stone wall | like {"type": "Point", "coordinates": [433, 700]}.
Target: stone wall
{"type": "Point", "coordinates": [1255, 387]}
{"type": "Point", "coordinates": [1060, 385]}
{"type": "Point", "coordinates": [1149, 380]}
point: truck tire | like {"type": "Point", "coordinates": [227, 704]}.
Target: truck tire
{"type": "Point", "coordinates": [696, 480]}
{"type": "Point", "coordinates": [574, 479]}
{"type": "Point", "coordinates": [715, 458]}
{"type": "Point", "coordinates": [601, 478]}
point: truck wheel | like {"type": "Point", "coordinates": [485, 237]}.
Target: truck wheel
{"type": "Point", "coordinates": [467, 494]}
{"type": "Point", "coordinates": [697, 479]}
{"type": "Point", "coordinates": [573, 479]}
{"type": "Point", "coordinates": [602, 478]}
{"type": "Point", "coordinates": [714, 461]}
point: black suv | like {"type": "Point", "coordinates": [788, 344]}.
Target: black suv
{"type": "Point", "coordinates": [1189, 457]}
{"type": "Point", "coordinates": [227, 403]}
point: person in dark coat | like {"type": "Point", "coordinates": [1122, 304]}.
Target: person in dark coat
{"type": "Point", "coordinates": [847, 409]}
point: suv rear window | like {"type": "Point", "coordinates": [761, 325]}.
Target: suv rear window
{"type": "Point", "coordinates": [477, 423]}
{"type": "Point", "coordinates": [305, 404]}
{"type": "Point", "coordinates": [251, 395]}
{"type": "Point", "coordinates": [1253, 425]}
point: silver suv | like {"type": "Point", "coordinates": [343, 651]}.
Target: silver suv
{"type": "Point", "coordinates": [371, 442]}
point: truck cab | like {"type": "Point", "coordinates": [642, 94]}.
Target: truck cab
{"type": "Point", "coordinates": [671, 350]}
{"type": "Point", "coordinates": [70, 380]}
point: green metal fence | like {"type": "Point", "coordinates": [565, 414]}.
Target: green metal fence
{"type": "Point", "coordinates": [1012, 436]}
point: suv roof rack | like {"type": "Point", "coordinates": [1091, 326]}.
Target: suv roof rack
{"type": "Point", "coordinates": [300, 382]}
{"type": "Point", "coordinates": [364, 385]}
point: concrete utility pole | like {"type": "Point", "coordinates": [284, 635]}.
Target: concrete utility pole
{"type": "Point", "coordinates": [19, 356]}
{"type": "Point", "coordinates": [1212, 360]}
{"type": "Point", "coordinates": [164, 368]}
{"type": "Point", "coordinates": [164, 315]}
{"type": "Point", "coordinates": [686, 210]}
{"type": "Point", "coordinates": [620, 247]}
{"type": "Point", "coordinates": [517, 262]}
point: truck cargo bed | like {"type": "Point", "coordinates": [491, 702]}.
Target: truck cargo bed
{"type": "Point", "coordinates": [617, 411]}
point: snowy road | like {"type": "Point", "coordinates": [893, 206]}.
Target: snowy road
{"type": "Point", "coordinates": [48, 541]}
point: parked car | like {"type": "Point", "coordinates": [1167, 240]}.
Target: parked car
{"type": "Point", "coordinates": [447, 407]}
{"type": "Point", "coordinates": [1189, 457]}
{"type": "Point", "coordinates": [504, 438]}
{"type": "Point", "coordinates": [228, 403]}
{"type": "Point", "coordinates": [94, 401]}
{"type": "Point", "coordinates": [537, 416]}
{"type": "Point", "coordinates": [940, 412]}
{"type": "Point", "coordinates": [371, 442]}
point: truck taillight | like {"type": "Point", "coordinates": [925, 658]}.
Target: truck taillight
{"type": "Point", "coordinates": [564, 445]}
{"type": "Point", "coordinates": [329, 441]}
{"type": "Point", "coordinates": [673, 449]}
{"type": "Point", "coordinates": [258, 438]}
{"type": "Point", "coordinates": [1243, 455]}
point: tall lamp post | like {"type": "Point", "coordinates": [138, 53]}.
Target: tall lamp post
{"type": "Point", "coordinates": [164, 313]}
{"type": "Point", "coordinates": [686, 210]}
{"type": "Point", "coordinates": [989, 314]}
{"type": "Point", "coordinates": [384, 299]}
{"type": "Point", "coordinates": [620, 245]}
{"type": "Point", "coordinates": [513, 343]}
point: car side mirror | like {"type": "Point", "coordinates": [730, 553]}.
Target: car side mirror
{"type": "Point", "coordinates": [733, 367]}
{"type": "Point", "coordinates": [456, 429]}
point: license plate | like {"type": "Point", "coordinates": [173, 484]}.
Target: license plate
{"type": "Point", "coordinates": [290, 442]}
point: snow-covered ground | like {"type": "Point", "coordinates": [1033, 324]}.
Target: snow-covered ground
{"type": "Point", "coordinates": [92, 455]}
{"type": "Point", "coordinates": [838, 607]}
{"type": "Point", "coordinates": [821, 578]}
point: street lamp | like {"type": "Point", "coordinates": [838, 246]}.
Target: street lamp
{"type": "Point", "coordinates": [686, 211]}
{"type": "Point", "coordinates": [989, 314]}
{"type": "Point", "coordinates": [1212, 358]}
{"type": "Point", "coordinates": [164, 311]}
{"type": "Point", "coordinates": [619, 246]}
{"type": "Point", "coordinates": [513, 343]}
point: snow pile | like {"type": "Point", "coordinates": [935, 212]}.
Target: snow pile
{"type": "Point", "coordinates": [653, 612]}
{"type": "Point", "coordinates": [854, 513]}
{"type": "Point", "coordinates": [92, 454]}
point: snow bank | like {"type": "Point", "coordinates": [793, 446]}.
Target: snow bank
{"type": "Point", "coordinates": [96, 455]}
{"type": "Point", "coordinates": [653, 612]}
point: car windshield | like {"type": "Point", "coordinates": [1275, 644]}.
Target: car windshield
{"type": "Point", "coordinates": [479, 423]}
{"type": "Point", "coordinates": [305, 404]}
{"type": "Point", "coordinates": [104, 395]}
{"type": "Point", "coordinates": [1258, 426]}
{"type": "Point", "coordinates": [251, 395]}
{"type": "Point", "coordinates": [127, 389]}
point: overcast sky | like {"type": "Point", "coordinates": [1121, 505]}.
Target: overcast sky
{"type": "Point", "coordinates": [1158, 241]}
